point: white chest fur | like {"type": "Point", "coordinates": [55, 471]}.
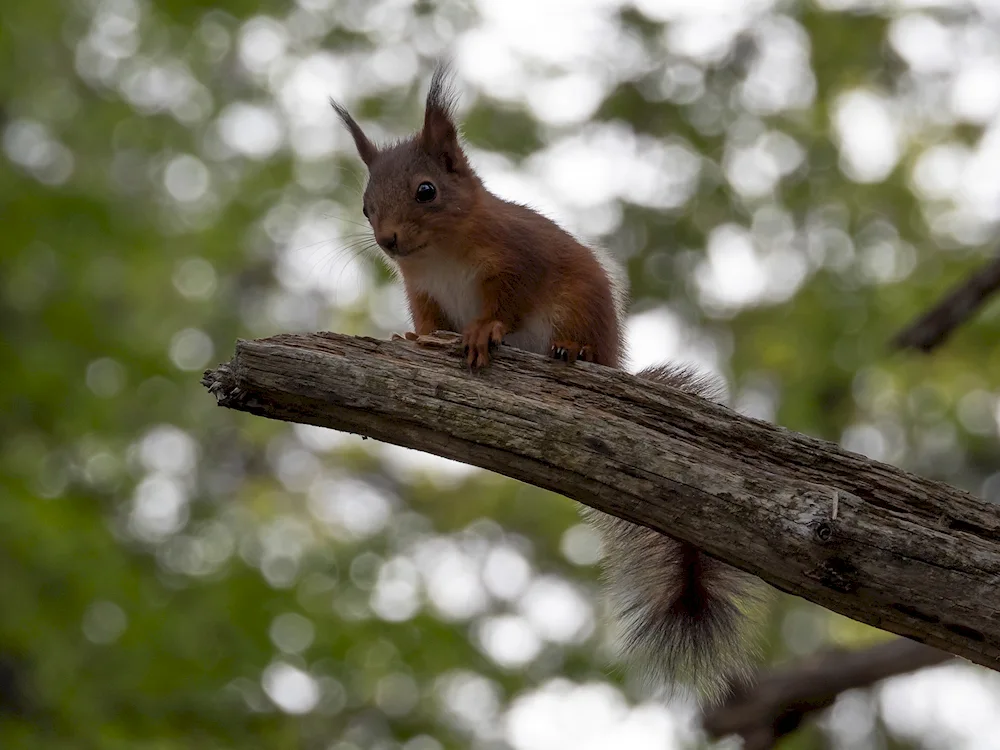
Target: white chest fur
{"type": "Point", "coordinates": [456, 289]}
{"type": "Point", "coordinates": [534, 335]}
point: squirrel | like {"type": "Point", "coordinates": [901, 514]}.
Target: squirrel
{"type": "Point", "coordinates": [500, 272]}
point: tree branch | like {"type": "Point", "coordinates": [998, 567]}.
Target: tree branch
{"type": "Point", "coordinates": [868, 540]}
{"type": "Point", "coordinates": [932, 328]}
{"type": "Point", "coordinates": [780, 699]}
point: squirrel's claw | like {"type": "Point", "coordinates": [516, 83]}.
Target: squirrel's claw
{"type": "Point", "coordinates": [479, 339]}
{"type": "Point", "coordinates": [570, 351]}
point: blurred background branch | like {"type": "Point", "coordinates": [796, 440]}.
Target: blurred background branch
{"type": "Point", "coordinates": [932, 328]}
{"type": "Point", "coordinates": [782, 698]}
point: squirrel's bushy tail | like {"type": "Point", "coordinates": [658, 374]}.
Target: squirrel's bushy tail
{"type": "Point", "coordinates": [683, 618]}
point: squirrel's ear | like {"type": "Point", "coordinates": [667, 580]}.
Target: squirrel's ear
{"type": "Point", "coordinates": [366, 149]}
{"type": "Point", "coordinates": [439, 137]}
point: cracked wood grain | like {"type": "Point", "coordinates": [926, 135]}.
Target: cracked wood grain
{"type": "Point", "coordinates": [865, 539]}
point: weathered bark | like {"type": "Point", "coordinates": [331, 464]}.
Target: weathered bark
{"type": "Point", "coordinates": [868, 540]}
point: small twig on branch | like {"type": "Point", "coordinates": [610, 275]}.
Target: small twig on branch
{"type": "Point", "coordinates": [932, 328]}
{"type": "Point", "coordinates": [782, 698]}
{"type": "Point", "coordinates": [905, 554]}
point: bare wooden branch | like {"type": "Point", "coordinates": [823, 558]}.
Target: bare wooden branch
{"type": "Point", "coordinates": [782, 698]}
{"type": "Point", "coordinates": [932, 328]}
{"type": "Point", "coordinates": [902, 553]}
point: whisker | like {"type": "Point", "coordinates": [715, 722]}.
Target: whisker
{"type": "Point", "coordinates": [353, 173]}
{"type": "Point", "coordinates": [352, 254]}
{"type": "Point", "coordinates": [363, 224]}
{"type": "Point", "coordinates": [348, 252]}
{"type": "Point", "coordinates": [360, 236]}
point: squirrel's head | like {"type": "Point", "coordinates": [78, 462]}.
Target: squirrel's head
{"type": "Point", "coordinates": [419, 189]}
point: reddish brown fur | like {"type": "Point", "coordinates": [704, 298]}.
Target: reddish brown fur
{"type": "Point", "coordinates": [525, 266]}
{"type": "Point", "coordinates": [427, 314]}
{"type": "Point", "coordinates": [543, 265]}
{"type": "Point", "coordinates": [496, 270]}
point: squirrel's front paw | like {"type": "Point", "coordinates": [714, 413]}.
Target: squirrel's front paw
{"type": "Point", "coordinates": [571, 351]}
{"type": "Point", "coordinates": [479, 338]}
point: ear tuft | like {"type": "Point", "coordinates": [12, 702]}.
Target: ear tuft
{"type": "Point", "coordinates": [439, 137]}
{"type": "Point", "coordinates": [366, 149]}
{"type": "Point", "coordinates": [441, 95]}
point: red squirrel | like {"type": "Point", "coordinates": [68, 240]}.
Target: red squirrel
{"type": "Point", "coordinates": [499, 272]}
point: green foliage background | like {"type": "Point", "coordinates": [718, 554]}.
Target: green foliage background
{"type": "Point", "coordinates": [114, 294]}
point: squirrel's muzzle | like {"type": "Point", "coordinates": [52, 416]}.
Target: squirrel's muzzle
{"type": "Point", "coordinates": [388, 242]}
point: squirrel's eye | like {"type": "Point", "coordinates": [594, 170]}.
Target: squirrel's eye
{"type": "Point", "coordinates": [426, 192]}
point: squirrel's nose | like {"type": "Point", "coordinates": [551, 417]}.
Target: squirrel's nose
{"type": "Point", "coordinates": [388, 241]}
